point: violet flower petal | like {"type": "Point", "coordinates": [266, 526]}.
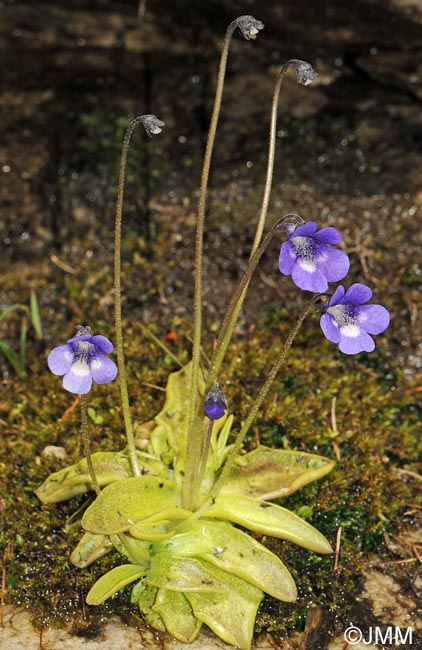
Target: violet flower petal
{"type": "Point", "coordinates": [309, 278]}
{"type": "Point", "coordinates": [287, 258]}
{"type": "Point", "coordinates": [374, 319]}
{"type": "Point", "coordinates": [357, 294]}
{"type": "Point", "coordinates": [103, 343]}
{"type": "Point", "coordinates": [337, 296]}
{"type": "Point", "coordinates": [355, 344]}
{"type": "Point", "coordinates": [80, 337]}
{"type": "Point", "coordinates": [336, 264]}
{"type": "Point", "coordinates": [78, 379]}
{"type": "Point", "coordinates": [328, 235]}
{"type": "Point", "coordinates": [306, 230]}
{"type": "Point", "coordinates": [103, 369]}
{"type": "Point", "coordinates": [330, 328]}
{"type": "Point", "coordinates": [60, 359]}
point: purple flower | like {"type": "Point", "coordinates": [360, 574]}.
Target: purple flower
{"type": "Point", "coordinates": [215, 403]}
{"type": "Point", "coordinates": [82, 360]}
{"type": "Point", "coordinates": [349, 322]}
{"type": "Point", "coordinates": [307, 256]}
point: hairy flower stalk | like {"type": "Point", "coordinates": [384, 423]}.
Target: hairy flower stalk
{"type": "Point", "coordinates": [152, 126]}
{"type": "Point", "coordinates": [305, 75]}
{"type": "Point", "coordinates": [249, 28]}
{"type": "Point", "coordinates": [232, 312]}
{"type": "Point", "coordinates": [87, 445]}
{"type": "Point", "coordinates": [206, 441]}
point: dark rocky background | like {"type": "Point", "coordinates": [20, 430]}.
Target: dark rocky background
{"type": "Point", "coordinates": [349, 147]}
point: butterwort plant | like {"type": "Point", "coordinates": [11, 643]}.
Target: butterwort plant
{"type": "Point", "coordinates": [178, 511]}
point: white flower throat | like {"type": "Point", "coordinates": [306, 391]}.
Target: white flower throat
{"type": "Point", "coordinates": [344, 318]}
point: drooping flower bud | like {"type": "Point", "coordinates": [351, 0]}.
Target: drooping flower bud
{"type": "Point", "coordinates": [152, 124]}
{"type": "Point", "coordinates": [215, 403]}
{"type": "Point", "coordinates": [305, 74]}
{"type": "Point", "coordinates": [81, 330]}
{"type": "Point", "coordinates": [249, 27]}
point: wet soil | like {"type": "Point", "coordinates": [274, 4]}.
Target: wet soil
{"type": "Point", "coordinates": [348, 155]}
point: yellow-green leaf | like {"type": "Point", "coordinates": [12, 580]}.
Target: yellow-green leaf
{"type": "Point", "coordinates": [182, 574]}
{"type": "Point", "coordinates": [144, 596]}
{"type": "Point", "coordinates": [151, 531]}
{"type": "Point", "coordinates": [231, 614]}
{"type": "Point", "coordinates": [230, 549]}
{"type": "Point", "coordinates": [168, 439]}
{"type": "Point", "coordinates": [135, 550]}
{"type": "Point", "coordinates": [89, 548]}
{"type": "Point", "coordinates": [109, 466]}
{"type": "Point", "coordinates": [270, 519]}
{"type": "Point", "coordinates": [176, 613]}
{"type": "Point", "coordinates": [123, 503]}
{"type": "Point", "coordinates": [266, 473]}
{"type": "Point", "coordinates": [112, 581]}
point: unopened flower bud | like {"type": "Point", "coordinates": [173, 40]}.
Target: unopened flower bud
{"type": "Point", "coordinates": [305, 73]}
{"type": "Point", "coordinates": [249, 27]}
{"type": "Point", "coordinates": [215, 403]}
{"type": "Point", "coordinates": [152, 124]}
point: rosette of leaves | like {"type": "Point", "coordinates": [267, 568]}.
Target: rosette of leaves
{"type": "Point", "coordinates": [190, 568]}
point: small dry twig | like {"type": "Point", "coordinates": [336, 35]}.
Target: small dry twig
{"type": "Point", "coordinates": [70, 409]}
{"type": "Point", "coordinates": [337, 556]}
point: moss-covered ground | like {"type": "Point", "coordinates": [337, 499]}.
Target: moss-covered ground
{"type": "Point", "coordinates": [354, 409]}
